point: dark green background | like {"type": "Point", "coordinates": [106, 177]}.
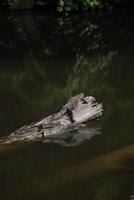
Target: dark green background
{"type": "Point", "coordinates": [44, 60]}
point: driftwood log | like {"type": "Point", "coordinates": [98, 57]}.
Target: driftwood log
{"type": "Point", "coordinates": [59, 126]}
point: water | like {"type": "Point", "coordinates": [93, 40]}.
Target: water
{"type": "Point", "coordinates": [44, 60]}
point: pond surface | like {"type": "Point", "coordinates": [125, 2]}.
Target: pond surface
{"type": "Point", "coordinates": [44, 60]}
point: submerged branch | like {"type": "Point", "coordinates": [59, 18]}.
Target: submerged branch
{"type": "Point", "coordinates": [110, 162]}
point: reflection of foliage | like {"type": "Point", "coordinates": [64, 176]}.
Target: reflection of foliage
{"type": "Point", "coordinates": [87, 68]}
{"type": "Point", "coordinates": [67, 31]}
{"type": "Point", "coordinates": [30, 33]}
{"type": "Point", "coordinates": [41, 69]}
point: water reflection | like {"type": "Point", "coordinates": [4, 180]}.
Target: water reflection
{"type": "Point", "coordinates": [76, 137]}
{"type": "Point", "coordinates": [45, 60]}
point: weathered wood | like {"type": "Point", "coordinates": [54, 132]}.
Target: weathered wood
{"type": "Point", "coordinates": [78, 110]}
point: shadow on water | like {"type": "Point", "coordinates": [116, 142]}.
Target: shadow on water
{"type": "Point", "coordinates": [45, 60]}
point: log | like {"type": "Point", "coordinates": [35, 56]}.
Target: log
{"type": "Point", "coordinates": [76, 111]}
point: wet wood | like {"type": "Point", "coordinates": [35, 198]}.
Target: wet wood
{"type": "Point", "coordinates": [76, 111]}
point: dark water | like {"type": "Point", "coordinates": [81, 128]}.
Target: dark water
{"type": "Point", "coordinates": [46, 59]}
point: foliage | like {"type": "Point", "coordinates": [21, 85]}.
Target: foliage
{"type": "Point", "coordinates": [67, 6]}
{"type": "Point", "coordinates": [74, 5]}
{"type": "Point", "coordinates": [64, 6]}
